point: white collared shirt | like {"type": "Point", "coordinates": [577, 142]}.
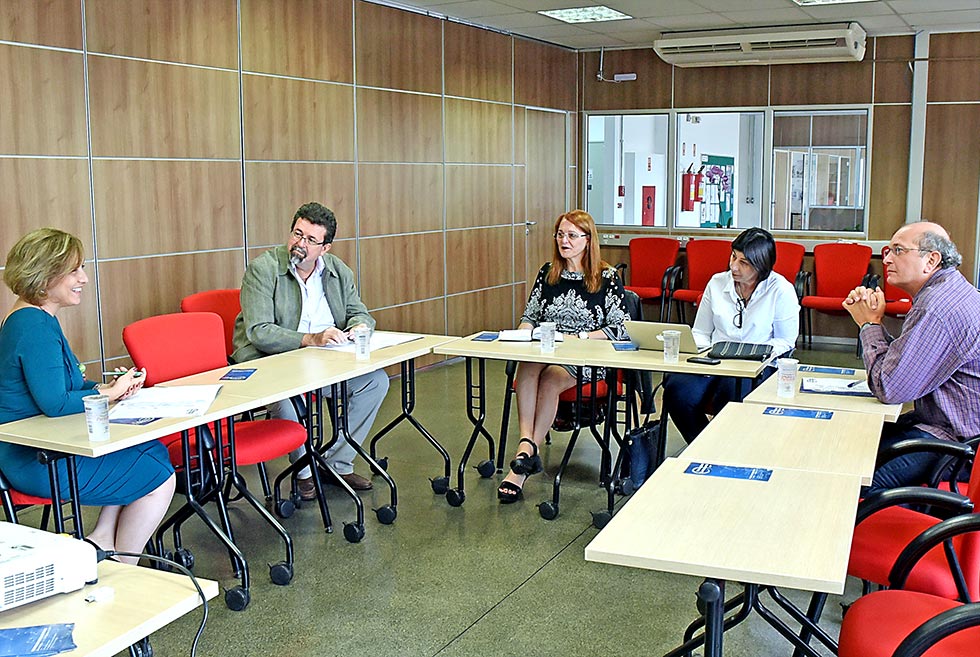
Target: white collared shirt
{"type": "Point", "coordinates": [772, 315]}
{"type": "Point", "coordinates": [316, 315]}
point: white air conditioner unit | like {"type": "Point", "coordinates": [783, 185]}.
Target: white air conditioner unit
{"type": "Point", "coordinates": [802, 44]}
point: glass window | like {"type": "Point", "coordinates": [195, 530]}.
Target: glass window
{"type": "Point", "coordinates": [819, 167]}
{"type": "Point", "coordinates": [719, 169]}
{"type": "Point", "coordinates": [626, 169]}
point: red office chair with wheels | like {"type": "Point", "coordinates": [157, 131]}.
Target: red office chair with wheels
{"type": "Point", "coordinates": [705, 258]}
{"type": "Point", "coordinates": [839, 268]}
{"type": "Point", "coordinates": [652, 269]}
{"type": "Point", "coordinates": [789, 265]}
{"type": "Point", "coordinates": [227, 304]}
{"type": "Point", "coordinates": [13, 499]}
{"type": "Point", "coordinates": [180, 344]}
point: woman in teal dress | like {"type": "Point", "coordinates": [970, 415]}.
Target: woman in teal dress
{"type": "Point", "coordinates": [40, 374]}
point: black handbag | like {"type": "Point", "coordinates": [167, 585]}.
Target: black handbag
{"type": "Point", "coordinates": [740, 350]}
{"type": "Point", "coordinates": [642, 442]}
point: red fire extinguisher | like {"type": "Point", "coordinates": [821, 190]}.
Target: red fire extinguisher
{"type": "Point", "coordinates": [688, 189]}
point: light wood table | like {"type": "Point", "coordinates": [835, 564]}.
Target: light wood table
{"type": "Point", "coordinates": [145, 600]}
{"type": "Point", "coordinates": [765, 393]}
{"type": "Point", "coordinates": [749, 434]}
{"type": "Point", "coordinates": [792, 530]}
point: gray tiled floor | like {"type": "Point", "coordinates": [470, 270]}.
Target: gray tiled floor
{"type": "Point", "coordinates": [482, 579]}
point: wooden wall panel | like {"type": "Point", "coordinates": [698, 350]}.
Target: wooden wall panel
{"type": "Point", "coordinates": [80, 324]}
{"type": "Point", "coordinates": [397, 49]}
{"type": "Point", "coordinates": [153, 206]}
{"type": "Point", "coordinates": [952, 175]}
{"type": "Point", "coordinates": [520, 135]}
{"type": "Point", "coordinates": [47, 22]}
{"type": "Point", "coordinates": [346, 250]}
{"type": "Point", "coordinates": [817, 84]}
{"type": "Point", "coordinates": [398, 127]}
{"type": "Point", "coordinates": [713, 86]}
{"type": "Point", "coordinates": [399, 198]}
{"type": "Point", "coordinates": [893, 79]}
{"type": "Point", "coordinates": [424, 317]}
{"type": "Point", "coordinates": [186, 31]}
{"type": "Point", "coordinates": [520, 254]}
{"type": "Point", "coordinates": [479, 258]}
{"type": "Point", "coordinates": [520, 302]}
{"type": "Point", "coordinates": [954, 67]}
{"type": "Point", "coordinates": [144, 109]}
{"type": "Point", "coordinates": [300, 38]}
{"type": "Point", "coordinates": [479, 63]}
{"type": "Point", "coordinates": [275, 190]}
{"type": "Point", "coordinates": [42, 102]}
{"type": "Point", "coordinates": [478, 131]}
{"type": "Point", "coordinates": [889, 170]}
{"type": "Point", "coordinates": [479, 196]}
{"type": "Point", "coordinates": [297, 119]}
{"type": "Point", "coordinates": [830, 130]}
{"type": "Point", "coordinates": [545, 188]}
{"type": "Point", "coordinates": [544, 76]}
{"type": "Point", "coordinates": [651, 90]}
{"type": "Point", "coordinates": [481, 311]}
{"type": "Point", "coordinates": [44, 192]}
{"type": "Point", "coordinates": [142, 287]}
{"type": "Point", "coordinates": [403, 268]}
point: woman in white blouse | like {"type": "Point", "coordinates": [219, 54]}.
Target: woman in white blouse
{"type": "Point", "coordinates": [747, 303]}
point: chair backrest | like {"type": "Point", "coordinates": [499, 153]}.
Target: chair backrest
{"type": "Point", "coordinates": [789, 259]}
{"type": "Point", "coordinates": [705, 258]}
{"type": "Point", "coordinates": [649, 259]}
{"type": "Point", "coordinates": [893, 293]}
{"type": "Point", "coordinates": [227, 304]}
{"type": "Point", "coordinates": [176, 345]}
{"type": "Point", "coordinates": [839, 267]}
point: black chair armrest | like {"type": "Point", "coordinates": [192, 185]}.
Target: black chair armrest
{"type": "Point", "coordinates": [937, 628]}
{"type": "Point", "coordinates": [955, 503]}
{"type": "Point", "coordinates": [870, 281]}
{"type": "Point", "coordinates": [673, 276]}
{"type": "Point", "coordinates": [926, 541]}
{"type": "Point", "coordinates": [621, 271]}
{"type": "Point", "coordinates": [802, 284]}
{"type": "Point", "coordinates": [936, 445]}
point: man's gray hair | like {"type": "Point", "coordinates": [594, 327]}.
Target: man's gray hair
{"type": "Point", "coordinates": [931, 241]}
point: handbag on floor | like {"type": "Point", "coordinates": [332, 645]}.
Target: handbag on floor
{"type": "Point", "coordinates": [642, 442]}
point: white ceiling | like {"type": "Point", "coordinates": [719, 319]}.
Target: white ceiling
{"type": "Point", "coordinates": [653, 17]}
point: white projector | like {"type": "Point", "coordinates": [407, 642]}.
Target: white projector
{"type": "Point", "coordinates": [35, 564]}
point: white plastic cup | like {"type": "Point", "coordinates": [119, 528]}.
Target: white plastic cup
{"type": "Point", "coordinates": [548, 330]}
{"type": "Point", "coordinates": [97, 417]}
{"type": "Point", "coordinates": [786, 371]}
{"type": "Point", "coordinates": [362, 343]}
{"type": "Point", "coordinates": [672, 346]}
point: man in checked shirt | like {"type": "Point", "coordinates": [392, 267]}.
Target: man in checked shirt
{"type": "Point", "coordinates": [935, 361]}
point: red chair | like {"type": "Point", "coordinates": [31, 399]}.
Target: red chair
{"type": "Point", "coordinates": [227, 304]}
{"type": "Point", "coordinates": [12, 500]}
{"type": "Point", "coordinates": [652, 268]}
{"type": "Point", "coordinates": [905, 623]}
{"type": "Point", "coordinates": [897, 302]}
{"type": "Point", "coordinates": [789, 264]}
{"type": "Point", "coordinates": [181, 344]}
{"type": "Point", "coordinates": [839, 268]}
{"type": "Point", "coordinates": [705, 258]}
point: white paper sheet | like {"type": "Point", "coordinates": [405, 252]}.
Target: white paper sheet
{"type": "Point", "coordinates": [379, 340]}
{"type": "Point", "coordinates": [831, 386]}
{"type": "Point", "coordinates": [525, 335]}
{"type": "Point", "coordinates": [171, 401]}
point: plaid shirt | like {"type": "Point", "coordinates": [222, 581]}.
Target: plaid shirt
{"type": "Point", "coordinates": [935, 362]}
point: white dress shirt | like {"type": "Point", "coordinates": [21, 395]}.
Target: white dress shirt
{"type": "Point", "coordinates": [772, 315]}
{"type": "Point", "coordinates": [316, 315]}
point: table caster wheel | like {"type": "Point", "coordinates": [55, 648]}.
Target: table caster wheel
{"type": "Point", "coordinates": [382, 463]}
{"type": "Point", "coordinates": [455, 496]}
{"type": "Point", "coordinates": [281, 573]}
{"type": "Point", "coordinates": [386, 514]}
{"type": "Point", "coordinates": [548, 510]}
{"type": "Point", "coordinates": [296, 500]}
{"type": "Point", "coordinates": [141, 648]}
{"type": "Point", "coordinates": [624, 486]}
{"type": "Point", "coordinates": [164, 566]}
{"type": "Point", "coordinates": [600, 519]}
{"type": "Point", "coordinates": [285, 509]}
{"type": "Point", "coordinates": [440, 485]}
{"type": "Point", "coordinates": [184, 557]}
{"type": "Point", "coordinates": [237, 598]}
{"type": "Point", "coordinates": [486, 468]}
{"type": "Point", "coordinates": [353, 532]}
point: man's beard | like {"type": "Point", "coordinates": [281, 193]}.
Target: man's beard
{"type": "Point", "coordinates": [297, 254]}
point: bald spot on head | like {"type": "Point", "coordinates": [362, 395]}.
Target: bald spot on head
{"type": "Point", "coordinates": [914, 232]}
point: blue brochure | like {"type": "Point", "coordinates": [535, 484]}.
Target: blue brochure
{"type": "Point", "coordinates": [625, 346]}
{"type": "Point", "coordinates": [37, 640]}
{"type": "Point", "coordinates": [238, 374]}
{"type": "Point", "coordinates": [798, 412]}
{"type": "Point", "coordinates": [819, 369]}
{"type": "Point", "coordinates": [137, 421]}
{"type": "Point", "coordinates": [486, 336]}
{"type": "Point", "coordinates": [728, 471]}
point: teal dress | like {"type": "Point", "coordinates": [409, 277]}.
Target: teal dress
{"type": "Point", "coordinates": [39, 374]}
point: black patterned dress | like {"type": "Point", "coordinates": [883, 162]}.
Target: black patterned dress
{"type": "Point", "coordinates": [574, 309]}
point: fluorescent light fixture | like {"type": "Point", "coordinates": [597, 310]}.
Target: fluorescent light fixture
{"type": "Point", "coordinates": [811, 3]}
{"type": "Point", "coordinates": [595, 14]}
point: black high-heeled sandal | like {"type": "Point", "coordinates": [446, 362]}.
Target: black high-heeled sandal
{"type": "Point", "coordinates": [528, 464]}
{"type": "Point", "coordinates": [509, 492]}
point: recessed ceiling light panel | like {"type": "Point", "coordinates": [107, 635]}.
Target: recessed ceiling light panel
{"type": "Point", "coordinates": [595, 14]}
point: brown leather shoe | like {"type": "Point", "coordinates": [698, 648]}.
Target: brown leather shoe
{"type": "Point", "coordinates": [356, 481]}
{"type": "Point", "coordinates": [307, 491]}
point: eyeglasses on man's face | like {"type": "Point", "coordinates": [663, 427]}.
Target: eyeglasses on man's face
{"type": "Point", "coordinates": [300, 237]}
{"type": "Point", "coordinates": [899, 251]}
{"type": "Point", "coordinates": [560, 235]}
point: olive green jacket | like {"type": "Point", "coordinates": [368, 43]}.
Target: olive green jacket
{"type": "Point", "coordinates": [272, 304]}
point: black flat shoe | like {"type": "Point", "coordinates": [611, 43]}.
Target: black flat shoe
{"type": "Point", "coordinates": [527, 464]}
{"type": "Point", "coordinates": [509, 492]}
